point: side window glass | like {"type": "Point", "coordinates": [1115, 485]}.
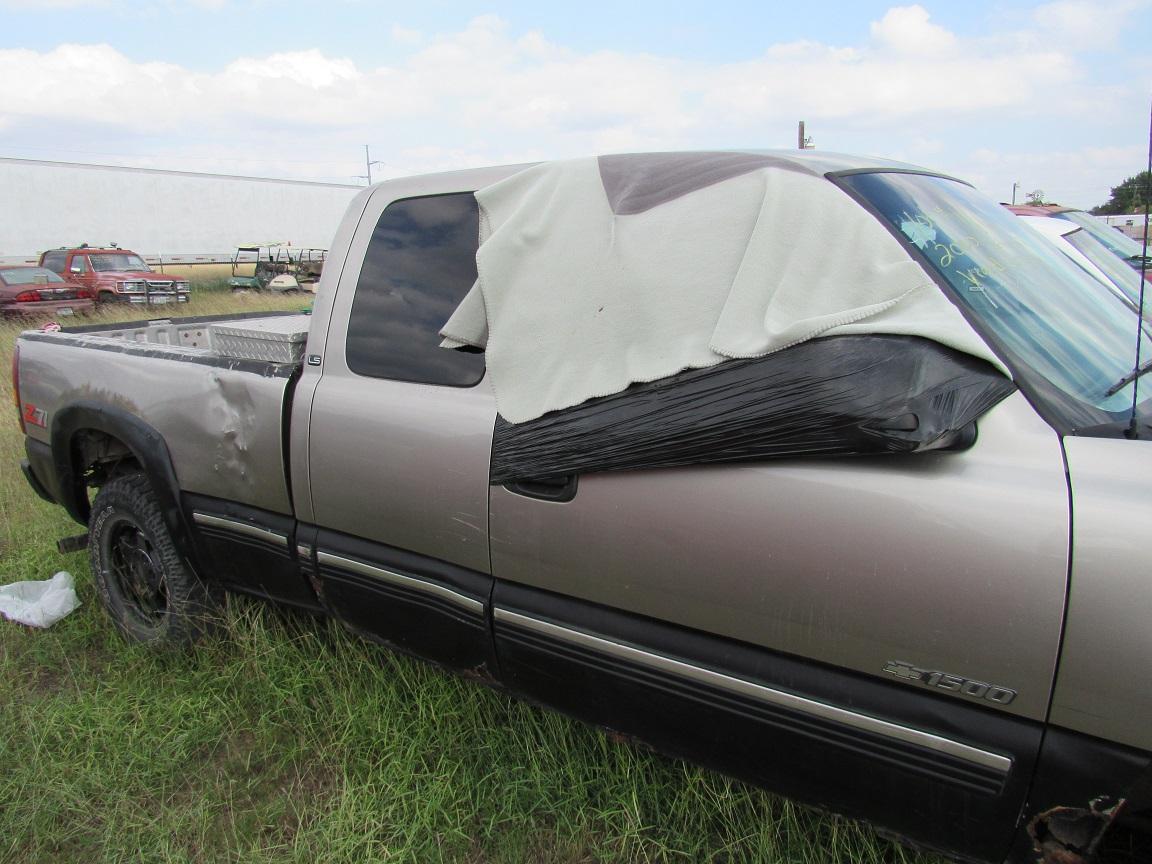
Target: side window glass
{"type": "Point", "coordinates": [420, 263]}
{"type": "Point", "coordinates": [79, 264]}
{"type": "Point", "coordinates": [54, 261]}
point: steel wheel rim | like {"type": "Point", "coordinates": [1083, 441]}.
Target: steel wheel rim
{"type": "Point", "coordinates": [134, 567]}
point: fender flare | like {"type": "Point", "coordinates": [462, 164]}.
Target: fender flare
{"type": "Point", "coordinates": [147, 447]}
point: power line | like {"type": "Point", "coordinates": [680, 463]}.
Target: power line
{"type": "Point", "coordinates": [177, 157]}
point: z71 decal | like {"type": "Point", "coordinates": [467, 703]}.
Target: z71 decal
{"type": "Point", "coordinates": [34, 416]}
{"type": "Point", "coordinates": [952, 683]}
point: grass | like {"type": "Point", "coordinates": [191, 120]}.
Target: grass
{"type": "Point", "coordinates": [282, 740]}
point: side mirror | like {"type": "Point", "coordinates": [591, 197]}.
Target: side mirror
{"type": "Point", "coordinates": [954, 440]}
{"type": "Point", "coordinates": [75, 268]}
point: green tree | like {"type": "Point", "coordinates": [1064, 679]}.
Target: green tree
{"type": "Point", "coordinates": [1129, 197]}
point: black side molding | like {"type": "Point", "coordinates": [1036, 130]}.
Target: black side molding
{"type": "Point", "coordinates": [944, 775]}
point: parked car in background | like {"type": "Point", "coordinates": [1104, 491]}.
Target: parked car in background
{"type": "Point", "coordinates": [1091, 255]}
{"type": "Point", "coordinates": [115, 274]}
{"type": "Point", "coordinates": [1119, 244]}
{"type": "Point", "coordinates": [36, 291]}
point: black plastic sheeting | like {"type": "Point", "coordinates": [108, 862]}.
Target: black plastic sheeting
{"type": "Point", "coordinates": [837, 396]}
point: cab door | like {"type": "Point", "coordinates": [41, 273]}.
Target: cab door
{"type": "Point", "coordinates": [78, 270]}
{"type": "Point", "coordinates": [877, 635]}
{"type": "Point", "coordinates": [399, 434]}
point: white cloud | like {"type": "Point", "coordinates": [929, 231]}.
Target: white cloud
{"type": "Point", "coordinates": [483, 77]}
{"type": "Point", "coordinates": [1085, 24]}
{"type": "Point", "coordinates": [1076, 177]}
{"type": "Point", "coordinates": [485, 94]}
{"type": "Point", "coordinates": [907, 30]}
{"type": "Point", "coordinates": [49, 5]}
{"type": "Point", "coordinates": [406, 35]}
{"type": "Point", "coordinates": [309, 69]}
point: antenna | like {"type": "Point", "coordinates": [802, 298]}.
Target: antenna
{"type": "Point", "coordinates": [1133, 431]}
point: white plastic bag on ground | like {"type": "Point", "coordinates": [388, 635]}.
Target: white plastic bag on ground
{"type": "Point", "coordinates": [39, 604]}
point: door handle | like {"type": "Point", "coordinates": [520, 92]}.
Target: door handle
{"type": "Point", "coordinates": [555, 489]}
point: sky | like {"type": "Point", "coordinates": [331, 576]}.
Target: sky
{"type": "Point", "coordinates": [1054, 96]}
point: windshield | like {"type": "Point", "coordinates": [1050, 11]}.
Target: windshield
{"type": "Point", "coordinates": [1116, 242]}
{"type": "Point", "coordinates": [28, 276]}
{"type": "Point", "coordinates": [1119, 274]}
{"type": "Point", "coordinates": [104, 262]}
{"type": "Point", "coordinates": [1062, 332]}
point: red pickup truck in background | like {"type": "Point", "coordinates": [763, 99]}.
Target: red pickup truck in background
{"type": "Point", "coordinates": [115, 275]}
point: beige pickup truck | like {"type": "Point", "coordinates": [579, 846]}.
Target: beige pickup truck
{"type": "Point", "coordinates": [897, 569]}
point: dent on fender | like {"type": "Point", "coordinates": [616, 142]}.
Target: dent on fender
{"type": "Point", "coordinates": [225, 435]}
{"type": "Point", "coordinates": [229, 419]}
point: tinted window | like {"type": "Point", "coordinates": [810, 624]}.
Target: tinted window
{"type": "Point", "coordinates": [54, 261]}
{"type": "Point", "coordinates": [420, 263]}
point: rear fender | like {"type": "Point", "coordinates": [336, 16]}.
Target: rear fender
{"type": "Point", "coordinates": [147, 448]}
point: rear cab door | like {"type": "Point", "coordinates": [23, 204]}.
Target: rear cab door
{"type": "Point", "coordinates": [392, 434]}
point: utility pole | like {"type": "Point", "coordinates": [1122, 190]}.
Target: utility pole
{"type": "Point", "coordinates": [803, 142]}
{"type": "Point", "coordinates": [1015, 186]}
{"type": "Point", "coordinates": [368, 163]}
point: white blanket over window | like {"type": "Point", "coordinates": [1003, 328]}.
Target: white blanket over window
{"type": "Point", "coordinates": [598, 273]}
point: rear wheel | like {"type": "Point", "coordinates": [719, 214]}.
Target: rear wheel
{"type": "Point", "coordinates": [145, 586]}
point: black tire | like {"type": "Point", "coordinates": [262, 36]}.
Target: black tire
{"type": "Point", "coordinates": [146, 588]}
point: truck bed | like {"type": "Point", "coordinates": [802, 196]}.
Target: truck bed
{"type": "Point", "coordinates": [213, 387]}
{"type": "Point", "coordinates": [276, 338]}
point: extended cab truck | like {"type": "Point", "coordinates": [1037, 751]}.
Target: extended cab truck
{"type": "Point", "coordinates": [115, 274]}
{"type": "Point", "coordinates": [952, 643]}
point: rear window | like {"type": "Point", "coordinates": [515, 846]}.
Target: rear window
{"type": "Point", "coordinates": [54, 261]}
{"type": "Point", "coordinates": [28, 276]}
{"type": "Point", "coordinates": [419, 264]}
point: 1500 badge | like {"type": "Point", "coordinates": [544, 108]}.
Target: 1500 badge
{"type": "Point", "coordinates": [952, 683]}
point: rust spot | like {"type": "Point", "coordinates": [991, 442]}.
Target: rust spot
{"type": "Point", "coordinates": [1071, 835]}
{"type": "Point", "coordinates": [317, 584]}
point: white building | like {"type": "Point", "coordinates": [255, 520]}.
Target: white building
{"type": "Point", "coordinates": [176, 214]}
